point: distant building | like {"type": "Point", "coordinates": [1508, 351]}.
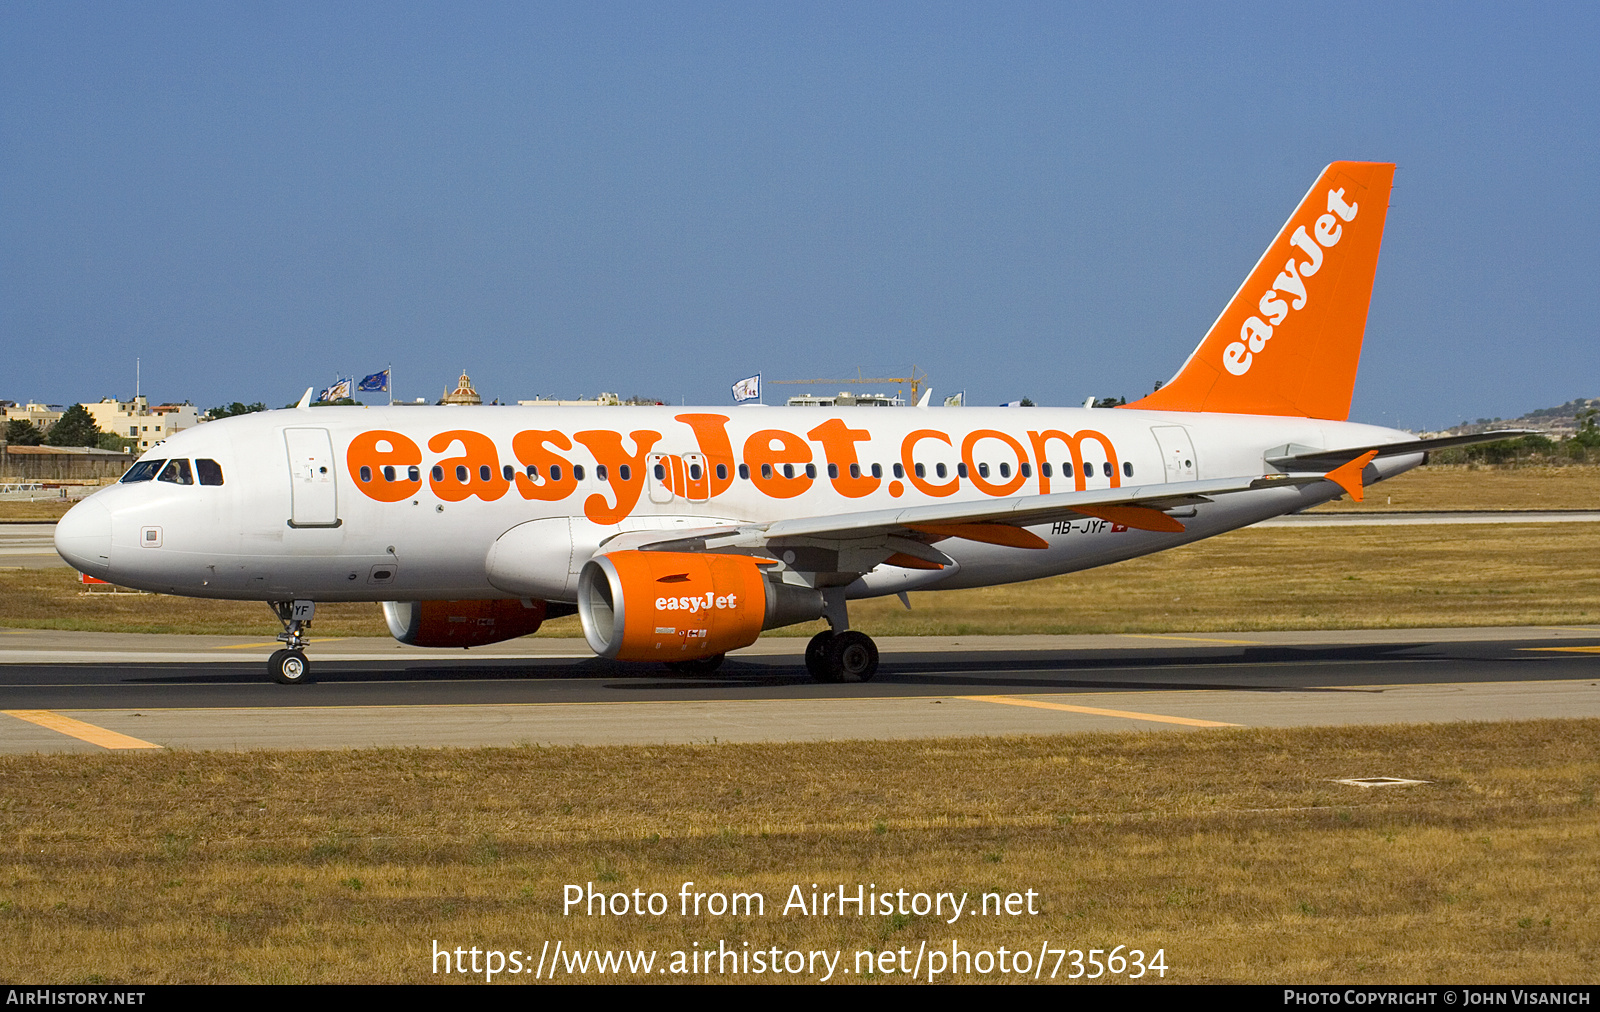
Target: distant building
{"type": "Point", "coordinates": [604, 400]}
{"type": "Point", "coordinates": [41, 415]}
{"type": "Point", "coordinates": [136, 419]}
{"type": "Point", "coordinates": [844, 399]}
{"type": "Point", "coordinates": [462, 394]}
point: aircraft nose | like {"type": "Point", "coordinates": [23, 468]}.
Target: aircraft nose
{"type": "Point", "coordinates": [83, 538]}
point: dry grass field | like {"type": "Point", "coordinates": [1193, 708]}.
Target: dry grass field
{"type": "Point", "coordinates": [1272, 578]}
{"type": "Point", "coordinates": [1575, 487]}
{"type": "Point", "coordinates": [1230, 851]}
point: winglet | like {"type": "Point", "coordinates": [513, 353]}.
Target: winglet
{"type": "Point", "coordinates": [927, 395]}
{"type": "Point", "coordinates": [1348, 476]}
{"type": "Point", "coordinates": [305, 399]}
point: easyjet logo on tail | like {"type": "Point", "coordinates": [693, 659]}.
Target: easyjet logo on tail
{"type": "Point", "coordinates": [1289, 341]}
{"type": "Point", "coordinates": [1255, 332]}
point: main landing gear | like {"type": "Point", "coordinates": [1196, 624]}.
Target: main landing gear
{"type": "Point", "coordinates": [290, 666]}
{"type": "Point", "coordinates": [839, 653]}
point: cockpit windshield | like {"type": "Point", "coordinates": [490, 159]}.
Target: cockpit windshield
{"type": "Point", "coordinates": [178, 473]}
{"type": "Point", "coordinates": [145, 470]}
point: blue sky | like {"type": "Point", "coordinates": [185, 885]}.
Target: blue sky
{"type": "Point", "coordinates": [657, 199]}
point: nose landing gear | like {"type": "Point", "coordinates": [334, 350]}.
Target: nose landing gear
{"type": "Point", "coordinates": [839, 653]}
{"type": "Point", "coordinates": [290, 666]}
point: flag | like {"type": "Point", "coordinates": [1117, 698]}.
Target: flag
{"type": "Point", "coordinates": [747, 389]}
{"type": "Point", "coordinates": [956, 400]}
{"type": "Point", "coordinates": [338, 391]}
{"type": "Point", "coordinates": [378, 381]}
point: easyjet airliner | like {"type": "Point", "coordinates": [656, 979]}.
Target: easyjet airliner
{"type": "Point", "coordinates": [679, 534]}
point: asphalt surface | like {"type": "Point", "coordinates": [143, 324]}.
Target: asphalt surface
{"type": "Point", "coordinates": [210, 692]}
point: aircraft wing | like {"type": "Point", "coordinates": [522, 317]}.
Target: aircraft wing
{"type": "Point", "coordinates": [911, 531]}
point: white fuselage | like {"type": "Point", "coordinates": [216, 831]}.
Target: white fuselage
{"type": "Point", "coordinates": [296, 517]}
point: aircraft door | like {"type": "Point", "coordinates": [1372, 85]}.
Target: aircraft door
{"type": "Point", "coordinates": [1177, 452]}
{"type": "Point", "coordinates": [699, 479]}
{"type": "Point", "coordinates": [313, 497]}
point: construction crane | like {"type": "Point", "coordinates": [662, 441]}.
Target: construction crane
{"type": "Point", "coordinates": [916, 379]}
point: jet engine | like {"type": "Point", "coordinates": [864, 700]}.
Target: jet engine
{"type": "Point", "coordinates": [683, 606]}
{"type": "Point", "coordinates": [466, 623]}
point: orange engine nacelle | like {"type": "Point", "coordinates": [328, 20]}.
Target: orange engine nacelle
{"type": "Point", "coordinates": [462, 623]}
{"type": "Point", "coordinates": [681, 606]}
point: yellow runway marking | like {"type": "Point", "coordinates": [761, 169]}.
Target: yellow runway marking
{"type": "Point", "coordinates": [258, 646]}
{"type": "Point", "coordinates": [78, 729]}
{"type": "Point", "coordinates": [1570, 650]}
{"type": "Point", "coordinates": [1192, 639]}
{"type": "Point", "coordinates": [1096, 711]}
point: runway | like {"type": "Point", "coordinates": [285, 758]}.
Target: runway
{"type": "Point", "coordinates": [86, 692]}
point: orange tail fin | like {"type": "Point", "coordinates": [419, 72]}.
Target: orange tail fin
{"type": "Point", "coordinates": [1290, 341]}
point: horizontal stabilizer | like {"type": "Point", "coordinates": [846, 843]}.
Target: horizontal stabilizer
{"type": "Point", "coordinates": [1348, 476]}
{"type": "Point", "coordinates": [1306, 458]}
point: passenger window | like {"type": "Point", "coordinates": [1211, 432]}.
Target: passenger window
{"type": "Point", "coordinates": [722, 472]}
{"type": "Point", "coordinates": [811, 470]}
{"type": "Point", "coordinates": [145, 470]}
{"type": "Point", "coordinates": [509, 472]}
{"type": "Point", "coordinates": [600, 473]}
{"type": "Point", "coordinates": [983, 470]}
{"type": "Point", "coordinates": [461, 473]}
{"type": "Point", "coordinates": [178, 473]}
{"type": "Point", "coordinates": [661, 472]}
{"type": "Point", "coordinates": [877, 470]}
{"type": "Point", "coordinates": [694, 472]}
{"type": "Point", "coordinates": [1066, 469]}
{"type": "Point", "coordinates": [210, 471]}
{"type": "Point", "coordinates": [625, 472]}
{"type": "Point", "coordinates": [922, 471]}
{"type": "Point", "coordinates": [744, 471]}
{"type": "Point", "coordinates": [900, 471]}
{"type": "Point", "coordinates": [766, 470]}
{"type": "Point", "coordinates": [555, 472]}
{"type": "Point", "coordinates": [833, 471]}
{"type": "Point", "coordinates": [1045, 469]}
{"type": "Point", "coordinates": [366, 474]}
{"type": "Point", "coordinates": [1127, 468]}
{"type": "Point", "coordinates": [533, 472]}
{"type": "Point", "coordinates": [577, 471]}
{"type": "Point", "coordinates": [414, 473]}
{"type": "Point", "coordinates": [388, 472]}
{"type": "Point", "coordinates": [438, 473]}
{"type": "Point", "coordinates": [1025, 467]}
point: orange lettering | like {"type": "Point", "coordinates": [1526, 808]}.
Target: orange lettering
{"type": "Point", "coordinates": [381, 461]}
{"type": "Point", "coordinates": [984, 485]}
{"type": "Point", "coordinates": [908, 450]}
{"type": "Point", "coordinates": [624, 473]}
{"type": "Point", "coordinates": [475, 473]}
{"type": "Point", "coordinates": [839, 446]}
{"type": "Point", "coordinates": [1074, 443]}
{"type": "Point", "coordinates": [767, 462]}
{"type": "Point", "coordinates": [555, 471]}
{"type": "Point", "coordinates": [711, 433]}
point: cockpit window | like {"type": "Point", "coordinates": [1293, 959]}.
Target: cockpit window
{"type": "Point", "coordinates": [177, 472]}
{"type": "Point", "coordinates": [145, 470]}
{"type": "Point", "coordinates": [210, 471]}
